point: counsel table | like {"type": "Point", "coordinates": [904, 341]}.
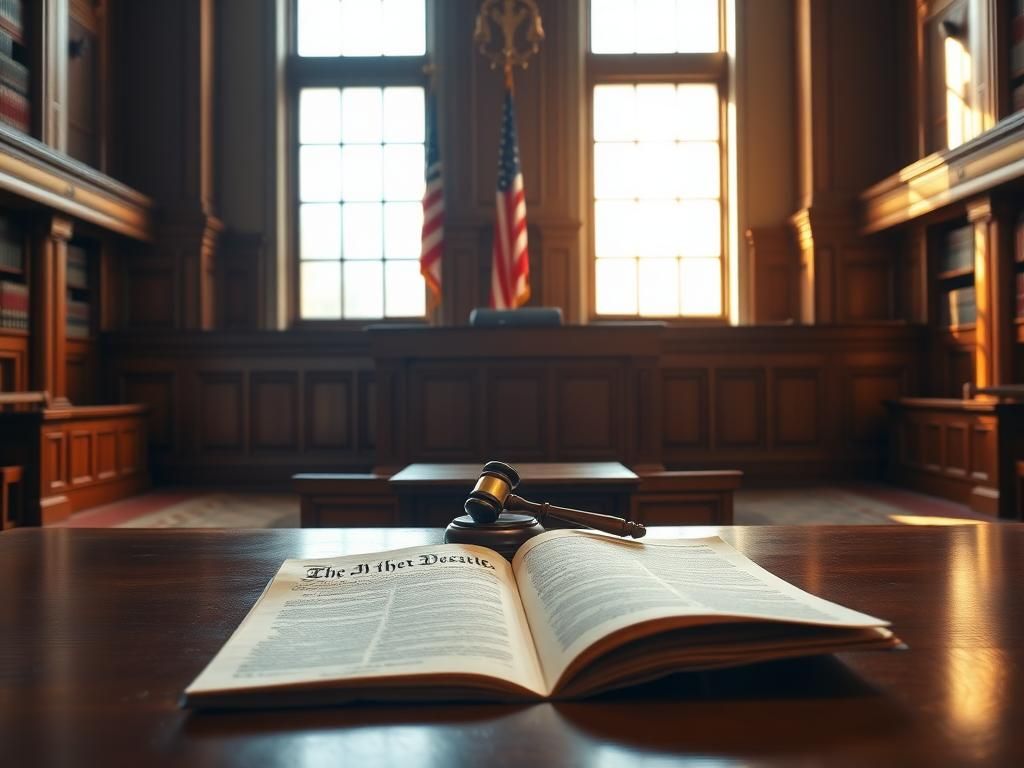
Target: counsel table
{"type": "Point", "coordinates": [100, 630]}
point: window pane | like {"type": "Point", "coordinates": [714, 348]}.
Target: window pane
{"type": "Point", "coordinates": [656, 112]}
{"type": "Point", "coordinates": [614, 170]}
{"type": "Point", "coordinates": [655, 170]}
{"type": "Point", "coordinates": [655, 26]}
{"type": "Point", "coordinates": [403, 172]}
{"type": "Point", "coordinates": [406, 292]}
{"type": "Point", "coordinates": [362, 33]}
{"type": "Point", "coordinates": [404, 119]}
{"type": "Point", "coordinates": [612, 26]}
{"type": "Point", "coordinates": [319, 174]}
{"type": "Point", "coordinates": [655, 227]}
{"type": "Point", "coordinates": [320, 116]}
{"type": "Point", "coordinates": [659, 287]}
{"type": "Point", "coordinates": [698, 112]}
{"type": "Point", "coordinates": [700, 228]}
{"type": "Point", "coordinates": [698, 170]}
{"type": "Point", "coordinates": [615, 228]}
{"type": "Point", "coordinates": [616, 286]}
{"type": "Point", "coordinates": [403, 230]}
{"type": "Point", "coordinates": [320, 232]}
{"type": "Point", "coordinates": [614, 112]}
{"type": "Point", "coordinates": [404, 28]}
{"type": "Point", "coordinates": [700, 282]}
{"type": "Point", "coordinates": [319, 27]}
{"type": "Point", "coordinates": [361, 115]}
{"type": "Point", "coordinates": [362, 231]}
{"type": "Point", "coordinates": [362, 172]}
{"type": "Point", "coordinates": [364, 289]}
{"type": "Point", "coordinates": [321, 290]}
{"type": "Point", "coordinates": [696, 26]}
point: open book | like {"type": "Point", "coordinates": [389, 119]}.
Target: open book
{"type": "Point", "coordinates": [577, 612]}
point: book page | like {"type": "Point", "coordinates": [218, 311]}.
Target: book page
{"type": "Point", "coordinates": [439, 610]}
{"type": "Point", "coordinates": [580, 586]}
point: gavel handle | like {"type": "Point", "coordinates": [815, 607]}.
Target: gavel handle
{"type": "Point", "coordinates": [606, 523]}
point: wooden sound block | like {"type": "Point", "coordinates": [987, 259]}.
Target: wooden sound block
{"type": "Point", "coordinates": [504, 536]}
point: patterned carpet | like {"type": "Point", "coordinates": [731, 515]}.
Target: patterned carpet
{"type": "Point", "coordinates": [845, 505]}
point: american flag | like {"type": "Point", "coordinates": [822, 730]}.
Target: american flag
{"type": "Point", "coordinates": [510, 262]}
{"type": "Point", "coordinates": [433, 207]}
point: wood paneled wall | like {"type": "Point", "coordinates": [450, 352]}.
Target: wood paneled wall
{"type": "Point", "coordinates": [249, 408]}
{"type": "Point", "coordinates": [781, 404]}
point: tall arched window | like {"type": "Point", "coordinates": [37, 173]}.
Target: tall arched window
{"type": "Point", "coordinates": [658, 74]}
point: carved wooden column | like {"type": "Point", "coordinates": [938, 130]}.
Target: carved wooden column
{"type": "Point", "coordinates": [49, 308]}
{"type": "Point", "coordinates": [993, 282]}
{"type": "Point", "coordinates": [50, 61]}
{"type": "Point", "coordinates": [166, 127]}
{"type": "Point", "coordinates": [847, 105]}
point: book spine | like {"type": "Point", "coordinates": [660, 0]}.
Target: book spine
{"type": "Point", "coordinates": [1020, 295]}
{"type": "Point", "coordinates": [959, 251]}
{"type": "Point", "coordinates": [14, 301]}
{"type": "Point", "coordinates": [78, 267]}
{"type": "Point", "coordinates": [14, 74]}
{"type": "Point", "coordinates": [77, 319]}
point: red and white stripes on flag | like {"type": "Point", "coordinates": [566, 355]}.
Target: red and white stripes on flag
{"type": "Point", "coordinates": [432, 241]}
{"type": "Point", "coordinates": [510, 262]}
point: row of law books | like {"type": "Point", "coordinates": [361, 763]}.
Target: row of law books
{"type": "Point", "coordinates": [957, 252]}
{"type": "Point", "coordinates": [13, 305]}
{"type": "Point", "coordinates": [1020, 295]}
{"type": "Point", "coordinates": [77, 267]}
{"type": "Point", "coordinates": [11, 248]}
{"type": "Point", "coordinates": [15, 85]}
{"type": "Point", "coordinates": [13, 14]}
{"type": "Point", "coordinates": [77, 319]}
{"type": "Point", "coordinates": [959, 307]}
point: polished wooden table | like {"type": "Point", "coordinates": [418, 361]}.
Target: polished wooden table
{"type": "Point", "coordinates": [100, 630]}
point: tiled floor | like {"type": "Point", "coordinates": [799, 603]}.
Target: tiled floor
{"type": "Point", "coordinates": [843, 505]}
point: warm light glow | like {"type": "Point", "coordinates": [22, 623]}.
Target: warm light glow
{"type": "Point", "coordinates": [361, 181]}
{"type": "Point", "coordinates": [361, 27]}
{"type": "Point", "coordinates": [926, 520]}
{"type": "Point", "coordinates": [657, 200]}
{"type": "Point", "coordinates": [977, 680]}
{"type": "Point", "coordinates": [654, 26]}
{"type": "Point", "coordinates": [959, 116]}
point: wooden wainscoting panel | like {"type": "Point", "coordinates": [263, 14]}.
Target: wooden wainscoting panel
{"type": "Point", "coordinates": [517, 398]}
{"type": "Point", "coordinates": [588, 412]}
{"type": "Point", "coordinates": [912, 444]}
{"type": "Point", "coordinates": [933, 460]}
{"type": "Point", "coordinates": [445, 413]}
{"type": "Point", "coordinates": [739, 408]}
{"type": "Point", "coordinates": [274, 411]}
{"type": "Point", "coordinates": [131, 450]}
{"type": "Point", "coordinates": [329, 408]}
{"type": "Point", "coordinates": [220, 412]}
{"type": "Point", "coordinates": [81, 444]}
{"type": "Point", "coordinates": [867, 389]}
{"type": "Point", "coordinates": [685, 408]}
{"type": "Point", "coordinates": [13, 362]}
{"type": "Point", "coordinates": [106, 453]}
{"type": "Point", "coordinates": [956, 450]}
{"type": "Point", "coordinates": [55, 465]}
{"type": "Point", "coordinates": [366, 410]}
{"type": "Point", "coordinates": [798, 400]}
{"type": "Point", "coordinates": [157, 391]}
{"type": "Point", "coordinates": [983, 450]}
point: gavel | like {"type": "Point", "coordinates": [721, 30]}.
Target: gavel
{"type": "Point", "coordinates": [492, 495]}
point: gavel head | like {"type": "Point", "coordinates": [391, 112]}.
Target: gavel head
{"type": "Point", "coordinates": [496, 482]}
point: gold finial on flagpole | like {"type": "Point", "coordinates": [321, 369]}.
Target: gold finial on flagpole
{"type": "Point", "coordinates": [508, 16]}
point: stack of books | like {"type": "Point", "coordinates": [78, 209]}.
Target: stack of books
{"type": "Point", "coordinates": [14, 305]}
{"type": "Point", "coordinates": [77, 319]}
{"type": "Point", "coordinates": [959, 307]}
{"type": "Point", "coordinates": [78, 267]}
{"type": "Point", "coordinates": [11, 247]}
{"type": "Point", "coordinates": [15, 83]}
{"type": "Point", "coordinates": [959, 251]}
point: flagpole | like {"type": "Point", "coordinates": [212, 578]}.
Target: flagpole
{"type": "Point", "coordinates": [510, 266]}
